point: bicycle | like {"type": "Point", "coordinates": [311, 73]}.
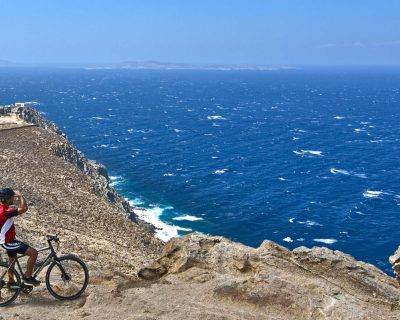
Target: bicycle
{"type": "Point", "coordinates": [66, 278]}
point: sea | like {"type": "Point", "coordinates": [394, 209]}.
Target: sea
{"type": "Point", "coordinates": [303, 157]}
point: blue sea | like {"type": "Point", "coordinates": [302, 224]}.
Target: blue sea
{"type": "Point", "coordinates": [304, 157]}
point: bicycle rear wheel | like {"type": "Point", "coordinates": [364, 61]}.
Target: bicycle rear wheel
{"type": "Point", "coordinates": [67, 278]}
{"type": "Point", "coordinates": [7, 294]}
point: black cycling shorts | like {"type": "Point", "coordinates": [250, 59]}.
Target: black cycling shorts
{"type": "Point", "coordinates": [15, 247]}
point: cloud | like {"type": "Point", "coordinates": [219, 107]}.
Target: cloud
{"type": "Point", "coordinates": [359, 44]}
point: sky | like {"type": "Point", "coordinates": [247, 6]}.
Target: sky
{"type": "Point", "coordinates": [262, 32]}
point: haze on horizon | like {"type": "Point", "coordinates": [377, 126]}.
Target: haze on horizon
{"type": "Point", "coordinates": [274, 32]}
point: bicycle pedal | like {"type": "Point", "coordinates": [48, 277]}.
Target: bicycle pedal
{"type": "Point", "coordinates": [26, 288]}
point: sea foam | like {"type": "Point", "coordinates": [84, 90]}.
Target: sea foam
{"type": "Point", "coordinates": [372, 194]}
{"type": "Point", "coordinates": [326, 241]}
{"type": "Point", "coordinates": [187, 217]}
{"type": "Point", "coordinates": [303, 153]}
{"type": "Point", "coordinates": [152, 215]}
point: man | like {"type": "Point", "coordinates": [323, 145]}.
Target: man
{"type": "Point", "coordinates": [7, 233]}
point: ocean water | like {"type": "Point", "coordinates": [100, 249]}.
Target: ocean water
{"type": "Point", "coordinates": [302, 157]}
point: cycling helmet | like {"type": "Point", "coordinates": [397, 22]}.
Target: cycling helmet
{"type": "Point", "coordinates": [6, 195]}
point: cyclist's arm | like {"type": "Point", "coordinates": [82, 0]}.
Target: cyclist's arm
{"type": "Point", "coordinates": [23, 207]}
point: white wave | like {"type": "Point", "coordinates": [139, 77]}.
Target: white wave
{"type": "Point", "coordinates": [282, 179]}
{"type": "Point", "coordinates": [347, 173]}
{"type": "Point", "coordinates": [299, 130]}
{"type": "Point", "coordinates": [339, 171]}
{"type": "Point", "coordinates": [291, 220]}
{"type": "Point", "coordinates": [303, 153]}
{"type": "Point", "coordinates": [130, 130]}
{"type": "Point", "coordinates": [98, 118]}
{"type": "Point", "coordinates": [168, 174]}
{"type": "Point", "coordinates": [360, 175]}
{"type": "Point", "coordinates": [309, 223]}
{"type": "Point", "coordinates": [339, 117]}
{"type": "Point", "coordinates": [221, 171]}
{"type": "Point", "coordinates": [288, 239]}
{"type": "Point", "coordinates": [178, 130]}
{"type": "Point", "coordinates": [135, 202]}
{"type": "Point", "coordinates": [216, 118]}
{"type": "Point", "coordinates": [187, 217]}
{"type": "Point", "coordinates": [164, 231]}
{"type": "Point", "coordinates": [372, 194]}
{"type": "Point", "coordinates": [32, 103]}
{"type": "Point", "coordinates": [115, 180]}
{"type": "Point", "coordinates": [326, 241]}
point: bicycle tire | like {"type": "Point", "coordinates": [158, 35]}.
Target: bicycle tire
{"type": "Point", "coordinates": [17, 278]}
{"type": "Point", "coordinates": [55, 264]}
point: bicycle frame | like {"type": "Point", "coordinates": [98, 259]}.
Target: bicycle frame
{"type": "Point", "coordinates": [38, 268]}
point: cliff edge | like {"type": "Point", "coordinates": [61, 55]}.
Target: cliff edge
{"type": "Point", "coordinates": [136, 276]}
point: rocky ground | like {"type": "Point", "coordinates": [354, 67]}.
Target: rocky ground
{"type": "Point", "coordinates": [193, 277]}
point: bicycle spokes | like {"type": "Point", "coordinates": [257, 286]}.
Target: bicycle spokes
{"type": "Point", "coordinates": [67, 278]}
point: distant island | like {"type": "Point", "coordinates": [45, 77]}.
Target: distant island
{"type": "Point", "coordinates": [149, 65]}
{"type": "Point", "coordinates": [157, 65]}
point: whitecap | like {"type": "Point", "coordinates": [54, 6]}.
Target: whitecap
{"type": "Point", "coordinates": [168, 174]}
{"type": "Point", "coordinates": [281, 179]}
{"type": "Point", "coordinates": [288, 239]}
{"type": "Point", "coordinates": [98, 118]}
{"type": "Point", "coordinates": [339, 171]}
{"type": "Point", "coordinates": [372, 194]}
{"type": "Point", "coordinates": [291, 220]}
{"type": "Point", "coordinates": [348, 173]}
{"type": "Point", "coordinates": [178, 130]}
{"type": "Point", "coordinates": [130, 130]}
{"type": "Point", "coordinates": [216, 118]}
{"type": "Point", "coordinates": [115, 180]}
{"type": "Point", "coordinates": [187, 217]}
{"type": "Point", "coordinates": [309, 223]}
{"type": "Point", "coordinates": [326, 241]}
{"type": "Point", "coordinates": [135, 202]}
{"type": "Point", "coordinates": [303, 153]}
{"type": "Point", "coordinates": [339, 117]}
{"type": "Point", "coordinates": [221, 171]}
{"type": "Point", "coordinates": [164, 231]}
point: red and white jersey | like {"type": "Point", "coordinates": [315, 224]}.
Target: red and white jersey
{"type": "Point", "coordinates": [7, 228]}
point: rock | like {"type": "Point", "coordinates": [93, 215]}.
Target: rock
{"type": "Point", "coordinates": [314, 283]}
{"type": "Point", "coordinates": [395, 261]}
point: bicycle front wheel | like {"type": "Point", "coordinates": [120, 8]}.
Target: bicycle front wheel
{"type": "Point", "coordinates": [67, 278]}
{"type": "Point", "coordinates": [8, 293]}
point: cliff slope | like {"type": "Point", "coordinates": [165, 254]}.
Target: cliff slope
{"type": "Point", "coordinates": [193, 277]}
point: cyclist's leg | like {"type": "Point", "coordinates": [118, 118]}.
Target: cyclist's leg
{"type": "Point", "coordinates": [15, 247]}
{"type": "Point", "coordinates": [11, 260]}
{"type": "Point", "coordinates": [32, 254]}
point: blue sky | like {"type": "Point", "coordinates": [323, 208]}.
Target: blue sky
{"type": "Point", "coordinates": [270, 32]}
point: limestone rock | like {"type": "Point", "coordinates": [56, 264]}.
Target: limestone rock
{"type": "Point", "coordinates": [395, 261]}
{"type": "Point", "coordinates": [316, 283]}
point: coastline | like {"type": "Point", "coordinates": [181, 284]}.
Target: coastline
{"type": "Point", "coordinates": [136, 275]}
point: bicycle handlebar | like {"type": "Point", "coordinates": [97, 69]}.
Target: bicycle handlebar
{"type": "Point", "coordinates": [52, 237]}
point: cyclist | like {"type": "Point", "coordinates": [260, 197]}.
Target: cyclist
{"type": "Point", "coordinates": [7, 233]}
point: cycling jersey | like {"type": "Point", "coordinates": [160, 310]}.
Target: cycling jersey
{"type": "Point", "coordinates": [7, 228]}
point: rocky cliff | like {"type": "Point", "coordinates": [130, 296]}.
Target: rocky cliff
{"type": "Point", "coordinates": [136, 276]}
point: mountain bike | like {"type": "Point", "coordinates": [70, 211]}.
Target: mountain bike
{"type": "Point", "coordinates": [66, 278]}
